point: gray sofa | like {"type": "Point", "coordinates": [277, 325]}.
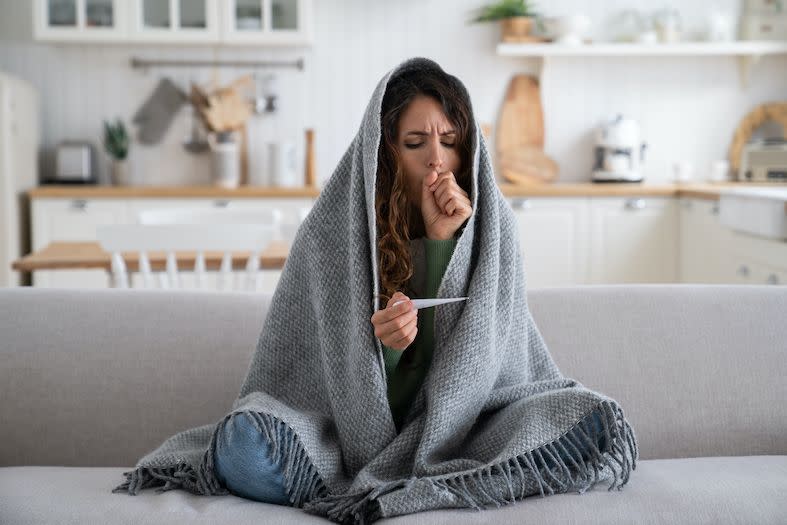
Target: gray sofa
{"type": "Point", "coordinates": [92, 380]}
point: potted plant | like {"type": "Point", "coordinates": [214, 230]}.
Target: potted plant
{"type": "Point", "coordinates": [116, 145]}
{"type": "Point", "coordinates": [515, 16]}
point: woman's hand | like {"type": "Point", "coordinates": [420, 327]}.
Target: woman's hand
{"type": "Point", "coordinates": [444, 205]}
{"type": "Point", "coordinates": [396, 326]}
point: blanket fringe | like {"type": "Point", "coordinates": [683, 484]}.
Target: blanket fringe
{"type": "Point", "coordinates": [579, 471]}
{"type": "Point", "coordinates": [301, 480]}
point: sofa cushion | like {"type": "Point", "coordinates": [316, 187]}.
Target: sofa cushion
{"type": "Point", "coordinates": [747, 489]}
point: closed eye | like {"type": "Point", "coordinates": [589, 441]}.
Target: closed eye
{"type": "Point", "coordinates": [415, 146]}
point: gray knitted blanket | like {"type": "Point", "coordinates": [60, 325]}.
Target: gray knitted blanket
{"type": "Point", "coordinates": [495, 420]}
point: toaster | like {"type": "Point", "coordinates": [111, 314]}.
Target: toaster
{"type": "Point", "coordinates": [75, 162]}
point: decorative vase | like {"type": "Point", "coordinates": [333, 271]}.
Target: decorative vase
{"type": "Point", "coordinates": [516, 28]}
{"type": "Point", "coordinates": [121, 173]}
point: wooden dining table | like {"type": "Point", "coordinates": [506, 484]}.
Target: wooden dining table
{"type": "Point", "coordinates": [65, 255]}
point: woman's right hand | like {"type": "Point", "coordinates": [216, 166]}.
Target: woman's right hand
{"type": "Point", "coordinates": [396, 326]}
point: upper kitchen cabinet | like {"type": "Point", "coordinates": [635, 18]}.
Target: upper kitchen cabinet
{"type": "Point", "coordinates": [80, 20]}
{"type": "Point", "coordinates": [273, 22]}
{"type": "Point", "coordinates": [184, 21]}
{"type": "Point", "coordinates": [228, 22]}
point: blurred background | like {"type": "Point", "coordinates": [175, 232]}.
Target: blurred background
{"type": "Point", "coordinates": [636, 141]}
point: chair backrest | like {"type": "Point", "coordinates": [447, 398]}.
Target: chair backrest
{"type": "Point", "coordinates": [271, 216]}
{"type": "Point", "coordinates": [182, 231]}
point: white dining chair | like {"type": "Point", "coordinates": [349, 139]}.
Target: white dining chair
{"type": "Point", "coordinates": [271, 216]}
{"type": "Point", "coordinates": [177, 236]}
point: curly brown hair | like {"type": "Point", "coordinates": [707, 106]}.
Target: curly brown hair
{"type": "Point", "coordinates": [395, 220]}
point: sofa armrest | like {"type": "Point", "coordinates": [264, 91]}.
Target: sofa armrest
{"type": "Point", "coordinates": [101, 377]}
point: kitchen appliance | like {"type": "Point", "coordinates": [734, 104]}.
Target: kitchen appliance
{"type": "Point", "coordinates": [619, 151]}
{"type": "Point", "coordinates": [75, 163]}
{"type": "Point", "coordinates": [19, 141]}
{"type": "Point", "coordinates": [764, 161]}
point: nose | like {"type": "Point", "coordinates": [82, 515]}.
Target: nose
{"type": "Point", "coordinates": [435, 154]}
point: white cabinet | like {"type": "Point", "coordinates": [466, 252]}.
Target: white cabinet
{"type": "Point", "coordinates": [274, 22]}
{"type": "Point", "coordinates": [162, 21]}
{"type": "Point", "coordinates": [231, 22]}
{"type": "Point", "coordinates": [703, 240]}
{"type": "Point", "coordinates": [634, 240]}
{"type": "Point", "coordinates": [753, 260]}
{"type": "Point", "coordinates": [553, 237]}
{"type": "Point", "coordinates": [80, 20]}
{"type": "Point", "coordinates": [72, 220]}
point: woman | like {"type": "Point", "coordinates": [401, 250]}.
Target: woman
{"type": "Point", "coordinates": [356, 411]}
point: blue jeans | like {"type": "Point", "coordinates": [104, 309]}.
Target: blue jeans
{"type": "Point", "coordinates": [243, 464]}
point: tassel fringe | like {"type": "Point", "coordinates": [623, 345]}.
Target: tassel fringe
{"type": "Point", "coordinates": [556, 467]}
{"type": "Point", "coordinates": [542, 470]}
{"type": "Point", "coordinates": [301, 479]}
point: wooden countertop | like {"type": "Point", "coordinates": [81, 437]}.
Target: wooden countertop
{"type": "Point", "coordinates": [87, 255]}
{"type": "Point", "coordinates": [701, 190]}
{"type": "Point", "coordinates": [209, 192]}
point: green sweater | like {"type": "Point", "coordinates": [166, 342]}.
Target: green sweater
{"type": "Point", "coordinates": [407, 369]}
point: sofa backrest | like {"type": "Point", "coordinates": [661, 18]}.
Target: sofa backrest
{"type": "Point", "coordinates": [101, 377]}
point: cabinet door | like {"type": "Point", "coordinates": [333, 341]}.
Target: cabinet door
{"type": "Point", "coordinates": [553, 238]}
{"type": "Point", "coordinates": [753, 260]}
{"type": "Point", "coordinates": [274, 22]}
{"type": "Point", "coordinates": [183, 21]}
{"type": "Point", "coordinates": [633, 240]}
{"type": "Point", "coordinates": [80, 20]}
{"type": "Point", "coordinates": [72, 220]}
{"type": "Point", "coordinates": [702, 242]}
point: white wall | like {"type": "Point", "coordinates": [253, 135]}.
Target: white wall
{"type": "Point", "coordinates": [688, 107]}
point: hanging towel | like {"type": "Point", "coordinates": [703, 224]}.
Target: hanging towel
{"type": "Point", "coordinates": [495, 420]}
{"type": "Point", "coordinates": [156, 114]}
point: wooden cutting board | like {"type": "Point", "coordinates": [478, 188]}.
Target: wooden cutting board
{"type": "Point", "coordinates": [520, 135]}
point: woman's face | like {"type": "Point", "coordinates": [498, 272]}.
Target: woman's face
{"type": "Point", "coordinates": [426, 142]}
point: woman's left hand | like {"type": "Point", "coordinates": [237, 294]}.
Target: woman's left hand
{"type": "Point", "coordinates": [444, 205]}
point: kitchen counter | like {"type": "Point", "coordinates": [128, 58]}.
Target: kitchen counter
{"type": "Point", "coordinates": [709, 190]}
{"type": "Point", "coordinates": [124, 192]}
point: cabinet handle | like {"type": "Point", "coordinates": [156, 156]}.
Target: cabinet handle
{"type": "Point", "coordinates": [687, 205]}
{"type": "Point", "coordinates": [634, 204]}
{"type": "Point", "coordinates": [743, 270]}
{"type": "Point", "coordinates": [773, 279]}
{"type": "Point", "coordinates": [221, 203]}
{"type": "Point", "coordinates": [521, 204]}
{"type": "Point", "coordinates": [715, 208]}
{"type": "Point", "coordinates": [79, 204]}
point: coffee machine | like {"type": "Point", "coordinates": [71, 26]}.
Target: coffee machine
{"type": "Point", "coordinates": [619, 151]}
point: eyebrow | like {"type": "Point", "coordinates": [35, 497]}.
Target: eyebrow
{"type": "Point", "coordinates": [451, 132]}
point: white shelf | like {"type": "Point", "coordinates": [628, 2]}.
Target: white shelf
{"type": "Point", "coordinates": [738, 48]}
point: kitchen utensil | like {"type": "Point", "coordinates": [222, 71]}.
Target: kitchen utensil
{"type": "Point", "coordinates": [310, 162]}
{"type": "Point", "coordinates": [195, 141]}
{"type": "Point", "coordinates": [264, 94]}
{"type": "Point", "coordinates": [527, 165]}
{"type": "Point", "coordinates": [520, 135]}
{"type": "Point", "coordinates": [426, 303]}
